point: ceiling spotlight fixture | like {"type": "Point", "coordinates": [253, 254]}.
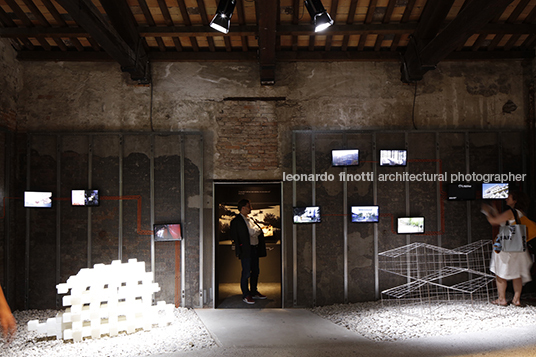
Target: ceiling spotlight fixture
{"type": "Point", "coordinates": [319, 16]}
{"type": "Point", "coordinates": [222, 20]}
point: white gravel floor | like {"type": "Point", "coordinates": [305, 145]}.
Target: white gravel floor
{"type": "Point", "coordinates": [381, 322]}
{"type": "Point", "coordinates": [187, 333]}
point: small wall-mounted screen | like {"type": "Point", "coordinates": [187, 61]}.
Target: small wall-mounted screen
{"type": "Point", "coordinates": [393, 157]}
{"type": "Point", "coordinates": [461, 191]}
{"type": "Point", "coordinates": [85, 197]}
{"type": "Point", "coordinates": [38, 199]}
{"type": "Point", "coordinates": [494, 191]}
{"type": "Point", "coordinates": [167, 232]}
{"type": "Point", "coordinates": [345, 157]}
{"type": "Point", "coordinates": [365, 214]}
{"type": "Point", "coordinates": [410, 225]}
{"type": "Point", "coordinates": [309, 214]}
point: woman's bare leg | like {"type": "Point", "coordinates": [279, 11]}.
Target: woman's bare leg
{"type": "Point", "coordinates": [518, 287]}
{"type": "Point", "coordinates": [501, 289]}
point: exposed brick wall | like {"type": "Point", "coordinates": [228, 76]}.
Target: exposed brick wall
{"type": "Point", "coordinates": [8, 119]}
{"type": "Point", "coordinates": [247, 136]}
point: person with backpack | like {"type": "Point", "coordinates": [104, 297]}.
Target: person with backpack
{"type": "Point", "coordinates": [507, 266]}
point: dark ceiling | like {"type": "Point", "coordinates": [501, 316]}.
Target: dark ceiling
{"type": "Point", "coordinates": [417, 33]}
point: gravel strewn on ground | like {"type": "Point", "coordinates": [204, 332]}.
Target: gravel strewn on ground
{"type": "Point", "coordinates": [373, 320]}
{"type": "Point", "coordinates": [185, 333]}
{"type": "Point", "coordinates": [391, 323]}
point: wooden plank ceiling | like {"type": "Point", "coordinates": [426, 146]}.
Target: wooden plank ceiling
{"type": "Point", "coordinates": [417, 33]}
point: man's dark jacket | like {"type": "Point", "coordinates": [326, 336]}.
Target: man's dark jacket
{"type": "Point", "coordinates": [240, 237]}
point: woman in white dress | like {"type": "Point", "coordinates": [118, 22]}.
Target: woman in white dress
{"type": "Point", "coordinates": [506, 266]}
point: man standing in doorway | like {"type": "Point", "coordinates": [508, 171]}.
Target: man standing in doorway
{"type": "Point", "coordinates": [249, 246]}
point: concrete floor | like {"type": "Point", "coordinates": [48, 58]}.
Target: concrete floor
{"type": "Point", "coordinates": [299, 332]}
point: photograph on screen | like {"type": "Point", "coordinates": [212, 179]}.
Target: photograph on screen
{"type": "Point", "coordinates": [85, 197]}
{"type": "Point", "coordinates": [265, 201]}
{"type": "Point", "coordinates": [393, 157]}
{"type": "Point", "coordinates": [167, 232]}
{"type": "Point", "coordinates": [309, 214]}
{"type": "Point", "coordinates": [461, 191]}
{"type": "Point", "coordinates": [410, 225]}
{"type": "Point", "coordinates": [494, 191]}
{"type": "Point", "coordinates": [38, 199]}
{"type": "Point", "coordinates": [365, 214]}
{"type": "Point", "coordinates": [345, 157]}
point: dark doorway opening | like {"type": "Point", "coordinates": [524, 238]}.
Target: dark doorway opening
{"type": "Point", "coordinates": [265, 200]}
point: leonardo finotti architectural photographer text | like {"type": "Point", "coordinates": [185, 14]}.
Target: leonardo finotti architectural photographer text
{"type": "Point", "coordinates": [405, 176]}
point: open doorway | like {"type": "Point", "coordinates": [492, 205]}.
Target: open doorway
{"type": "Point", "coordinates": [265, 200]}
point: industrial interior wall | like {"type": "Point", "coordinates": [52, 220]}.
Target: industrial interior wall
{"type": "Point", "coordinates": [141, 178]}
{"type": "Point", "coordinates": [335, 259]}
{"type": "Point", "coordinates": [247, 128]}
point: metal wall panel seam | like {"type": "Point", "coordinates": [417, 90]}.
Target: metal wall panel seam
{"type": "Point", "coordinates": [27, 241]}
{"type": "Point", "coordinates": [89, 172]}
{"type": "Point", "coordinates": [313, 194]}
{"type": "Point", "coordinates": [294, 229]}
{"type": "Point", "coordinates": [59, 146]}
{"type": "Point", "coordinates": [345, 224]}
{"type": "Point", "coordinates": [183, 219]}
{"type": "Point", "coordinates": [376, 238]}
{"type": "Point", "coordinates": [120, 203]}
{"type": "Point", "coordinates": [468, 203]}
{"type": "Point", "coordinates": [201, 231]}
{"type": "Point", "coordinates": [151, 194]}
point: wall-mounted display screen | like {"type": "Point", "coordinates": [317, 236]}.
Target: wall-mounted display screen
{"type": "Point", "coordinates": [310, 214]}
{"type": "Point", "coordinates": [494, 191]}
{"type": "Point", "coordinates": [461, 191]}
{"type": "Point", "coordinates": [167, 232]}
{"type": "Point", "coordinates": [85, 197]}
{"type": "Point", "coordinates": [410, 225]}
{"type": "Point", "coordinates": [365, 214]}
{"type": "Point", "coordinates": [38, 199]}
{"type": "Point", "coordinates": [345, 157]}
{"type": "Point", "coordinates": [393, 157]}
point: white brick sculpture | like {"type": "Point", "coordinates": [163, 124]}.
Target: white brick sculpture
{"type": "Point", "coordinates": [107, 299]}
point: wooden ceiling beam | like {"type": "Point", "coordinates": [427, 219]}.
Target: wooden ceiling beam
{"type": "Point", "coordinates": [123, 21]}
{"type": "Point", "coordinates": [282, 56]}
{"type": "Point", "coordinates": [60, 21]}
{"type": "Point", "coordinates": [428, 47]}
{"type": "Point", "coordinates": [252, 30]}
{"type": "Point", "coordinates": [267, 37]}
{"type": "Point", "coordinates": [474, 16]}
{"type": "Point", "coordinates": [86, 14]}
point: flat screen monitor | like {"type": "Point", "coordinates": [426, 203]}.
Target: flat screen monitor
{"type": "Point", "coordinates": [167, 232]}
{"type": "Point", "coordinates": [393, 157]}
{"type": "Point", "coordinates": [37, 199]}
{"type": "Point", "coordinates": [494, 191]}
{"type": "Point", "coordinates": [310, 214]}
{"type": "Point", "coordinates": [461, 191]}
{"type": "Point", "coordinates": [345, 157]}
{"type": "Point", "coordinates": [410, 225]}
{"type": "Point", "coordinates": [85, 197]}
{"type": "Point", "coordinates": [365, 214]}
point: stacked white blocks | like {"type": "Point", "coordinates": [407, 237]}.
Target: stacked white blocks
{"type": "Point", "coordinates": [107, 299]}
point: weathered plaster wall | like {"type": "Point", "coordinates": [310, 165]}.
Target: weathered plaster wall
{"type": "Point", "coordinates": [192, 96]}
{"type": "Point", "coordinates": [221, 99]}
{"type": "Point", "coordinates": [10, 84]}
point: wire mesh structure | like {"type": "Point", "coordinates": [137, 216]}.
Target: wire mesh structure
{"type": "Point", "coordinates": [434, 274]}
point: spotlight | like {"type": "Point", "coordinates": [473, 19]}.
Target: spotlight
{"type": "Point", "coordinates": [319, 15]}
{"type": "Point", "coordinates": [222, 20]}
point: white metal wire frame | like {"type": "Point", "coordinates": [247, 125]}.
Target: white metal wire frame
{"type": "Point", "coordinates": [435, 274]}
